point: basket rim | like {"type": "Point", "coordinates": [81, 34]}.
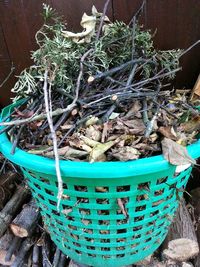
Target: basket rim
{"type": "Point", "coordinates": [74, 169]}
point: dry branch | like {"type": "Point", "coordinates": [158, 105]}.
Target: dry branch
{"type": "Point", "coordinates": [11, 208]}
{"type": "Point", "coordinates": [26, 221]}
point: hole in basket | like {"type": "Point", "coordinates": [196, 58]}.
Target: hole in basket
{"type": "Point", "coordinates": [91, 240]}
{"type": "Point", "coordinates": [80, 188]}
{"type": "Point", "coordinates": [120, 231]}
{"type": "Point", "coordinates": [49, 192]}
{"type": "Point", "coordinates": [106, 256]}
{"type": "Point", "coordinates": [157, 203]}
{"type": "Point", "coordinates": [40, 196]}
{"type": "Point", "coordinates": [76, 244]}
{"type": "Point", "coordinates": [84, 211]}
{"type": "Point", "coordinates": [136, 236]}
{"type": "Point", "coordinates": [139, 218]}
{"type": "Point", "coordinates": [32, 174]}
{"type": "Point", "coordinates": [105, 240]}
{"type": "Point", "coordinates": [124, 221]}
{"type": "Point", "coordinates": [86, 222]}
{"type": "Point", "coordinates": [123, 188]}
{"type": "Point", "coordinates": [137, 228]}
{"type": "Point", "coordinates": [105, 249]}
{"type": "Point", "coordinates": [55, 212]}
{"type": "Point", "coordinates": [90, 247]}
{"type": "Point", "coordinates": [76, 237]}
{"type": "Point", "coordinates": [102, 201]}
{"type": "Point", "coordinates": [101, 189]}
{"type": "Point", "coordinates": [142, 197]}
{"type": "Point", "coordinates": [120, 255]}
{"type": "Point", "coordinates": [72, 227]}
{"type": "Point", "coordinates": [92, 255]}
{"type": "Point", "coordinates": [44, 180]}
{"type": "Point", "coordinates": [162, 180]}
{"type": "Point", "coordinates": [159, 192]}
{"type": "Point", "coordinates": [82, 200]}
{"type": "Point", "coordinates": [103, 212]}
{"type": "Point", "coordinates": [104, 232]}
{"type": "Point", "coordinates": [121, 248]}
{"type": "Point", "coordinates": [144, 186]}
{"type": "Point", "coordinates": [121, 240]}
{"type": "Point", "coordinates": [140, 208]}
{"type": "Point", "coordinates": [104, 222]}
{"type": "Point", "coordinates": [88, 231]}
{"type": "Point", "coordinates": [154, 213]}
{"type": "Point", "coordinates": [53, 203]}
{"type": "Point", "coordinates": [78, 252]}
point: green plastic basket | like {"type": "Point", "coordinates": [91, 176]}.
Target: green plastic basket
{"type": "Point", "coordinates": [90, 227]}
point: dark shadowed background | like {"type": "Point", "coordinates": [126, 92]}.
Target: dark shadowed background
{"type": "Point", "coordinates": [177, 23]}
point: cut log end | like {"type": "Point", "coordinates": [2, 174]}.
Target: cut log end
{"type": "Point", "coordinates": [18, 231]}
{"type": "Point", "coordinates": [181, 249]}
{"type": "Point", "coordinates": [2, 258]}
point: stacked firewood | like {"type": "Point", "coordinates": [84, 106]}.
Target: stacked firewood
{"type": "Point", "coordinates": [23, 240]}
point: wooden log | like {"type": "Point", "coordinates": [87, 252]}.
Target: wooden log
{"type": "Point", "coordinates": [63, 261]}
{"type": "Point", "coordinates": [14, 245]}
{"type": "Point", "coordinates": [46, 252]}
{"type": "Point", "coordinates": [26, 245]}
{"type": "Point", "coordinates": [56, 258]}
{"type": "Point", "coordinates": [181, 249]}
{"type": "Point", "coordinates": [7, 186]}
{"type": "Point", "coordinates": [36, 256]}
{"type": "Point", "coordinates": [195, 201]}
{"type": "Point", "coordinates": [5, 242]}
{"type": "Point", "coordinates": [181, 227]}
{"type": "Point", "coordinates": [12, 207]}
{"type": "Point", "coordinates": [26, 221]}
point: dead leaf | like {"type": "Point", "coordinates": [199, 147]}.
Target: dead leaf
{"type": "Point", "coordinates": [134, 111]}
{"type": "Point", "coordinates": [88, 23]}
{"type": "Point", "coordinates": [24, 115]}
{"type": "Point", "coordinates": [100, 149]}
{"type": "Point", "coordinates": [125, 153]}
{"type": "Point", "coordinates": [122, 208]}
{"type": "Point", "coordinates": [135, 126]}
{"type": "Point", "coordinates": [175, 154]}
{"type": "Point", "coordinates": [68, 152]}
{"type": "Point", "coordinates": [89, 141]}
{"type": "Point", "coordinates": [93, 133]}
{"type": "Point", "coordinates": [191, 125]}
{"type": "Point", "coordinates": [168, 132]}
{"type": "Point", "coordinates": [76, 142]}
{"type": "Point", "coordinates": [93, 120]}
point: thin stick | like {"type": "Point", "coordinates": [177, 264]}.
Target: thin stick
{"type": "Point", "coordinates": [8, 76]}
{"type": "Point", "coordinates": [54, 139]}
{"type": "Point", "coordinates": [190, 47]}
{"type": "Point", "coordinates": [138, 12]}
{"type": "Point", "coordinates": [102, 19]}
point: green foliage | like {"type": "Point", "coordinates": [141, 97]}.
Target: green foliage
{"type": "Point", "coordinates": [117, 44]}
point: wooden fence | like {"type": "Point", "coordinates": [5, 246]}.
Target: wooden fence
{"type": "Point", "coordinates": [177, 23]}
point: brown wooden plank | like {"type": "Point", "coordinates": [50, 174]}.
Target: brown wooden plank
{"type": "Point", "coordinates": [177, 24]}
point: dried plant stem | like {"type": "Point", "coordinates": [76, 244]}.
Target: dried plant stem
{"type": "Point", "coordinates": [102, 19]}
{"type": "Point", "coordinates": [8, 76]}
{"type": "Point", "coordinates": [53, 135]}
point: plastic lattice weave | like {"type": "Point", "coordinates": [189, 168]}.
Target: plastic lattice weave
{"type": "Point", "coordinates": [91, 228]}
{"type": "Point", "coordinates": [112, 213]}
